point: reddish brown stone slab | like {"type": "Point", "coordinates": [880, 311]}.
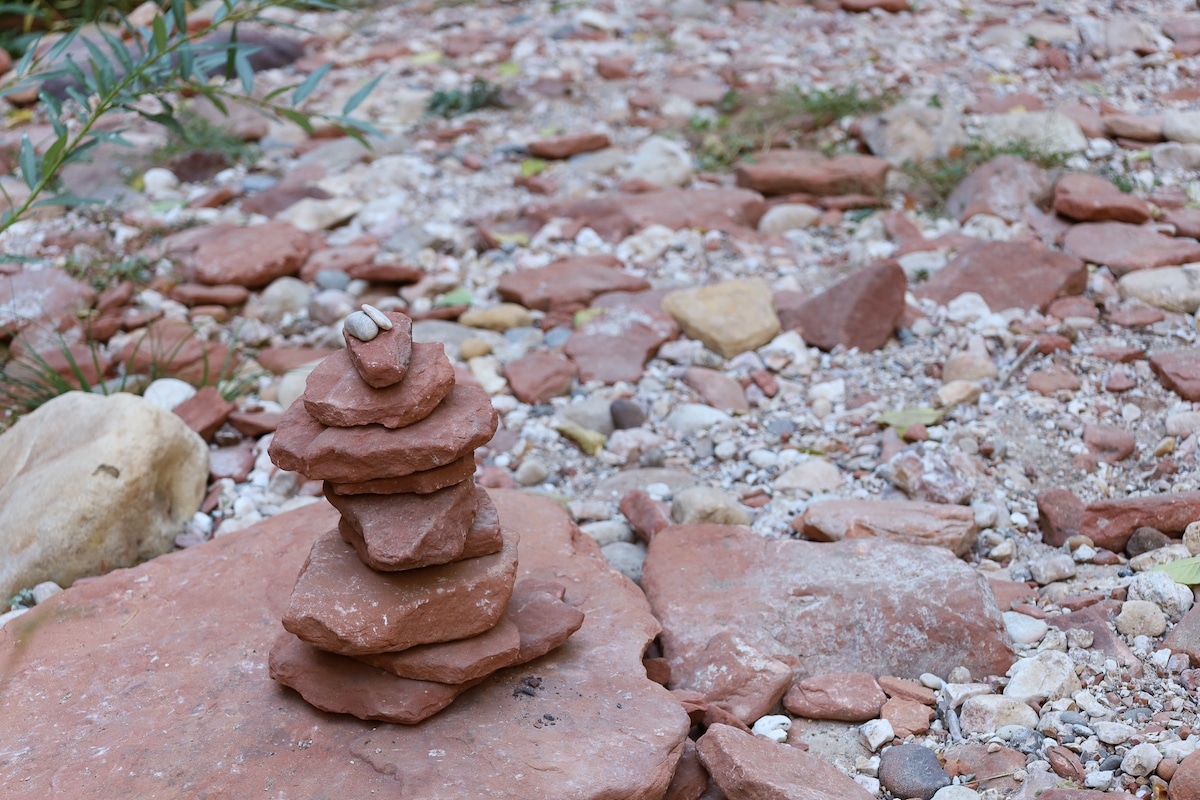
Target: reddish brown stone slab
{"type": "Point", "coordinates": [536, 378]}
{"type": "Point", "coordinates": [567, 145]}
{"type": "Point", "coordinates": [814, 608]}
{"type": "Point", "coordinates": [386, 273]}
{"type": "Point", "coordinates": [860, 311]}
{"type": "Point", "coordinates": [274, 199]}
{"type": "Point", "coordinates": [792, 171]}
{"type": "Point", "coordinates": [383, 361]}
{"type": "Point", "coordinates": [1124, 248]}
{"type": "Point", "coordinates": [1184, 636]}
{"type": "Point", "coordinates": [1008, 275]}
{"type": "Point", "coordinates": [255, 423]}
{"type": "Point", "coordinates": [339, 259]}
{"type": "Point", "coordinates": [1185, 220]}
{"type": "Point", "coordinates": [281, 359]}
{"type": "Point", "coordinates": [485, 536]}
{"type": "Point", "coordinates": [1110, 523]}
{"type": "Point", "coordinates": [342, 685]}
{"type": "Point", "coordinates": [1179, 371]}
{"type": "Point", "coordinates": [1007, 187]}
{"type": "Point", "coordinates": [845, 696]}
{"type": "Point", "coordinates": [342, 605]}
{"type": "Point", "coordinates": [577, 279]}
{"type": "Point", "coordinates": [993, 768]}
{"type": "Point", "coordinates": [756, 768]}
{"type": "Point", "coordinates": [616, 345]}
{"type": "Point", "coordinates": [717, 389]}
{"type": "Point", "coordinates": [414, 483]}
{"type": "Point", "coordinates": [205, 411]}
{"type": "Point", "coordinates": [197, 294]}
{"type": "Point", "coordinates": [907, 690]}
{"type": "Point", "coordinates": [1060, 514]}
{"type": "Point", "coordinates": [455, 662]}
{"type": "Point", "coordinates": [913, 521]}
{"type": "Point", "coordinates": [464, 421]}
{"type": "Point", "coordinates": [252, 256]}
{"type": "Point", "coordinates": [1090, 198]}
{"type": "Point", "coordinates": [336, 396]}
{"type": "Point", "coordinates": [406, 531]}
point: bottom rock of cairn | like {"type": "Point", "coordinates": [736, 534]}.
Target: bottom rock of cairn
{"type": "Point", "coordinates": [413, 598]}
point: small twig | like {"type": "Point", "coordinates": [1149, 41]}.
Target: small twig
{"type": "Point", "coordinates": [130, 618]}
{"type": "Point", "coordinates": [1016, 365]}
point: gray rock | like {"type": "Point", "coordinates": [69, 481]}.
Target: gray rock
{"type": "Point", "coordinates": [89, 483]}
{"type": "Point", "coordinates": [661, 161]}
{"type": "Point", "coordinates": [286, 296]}
{"type": "Point", "coordinates": [910, 770]}
{"type": "Point", "coordinates": [1171, 288]}
{"type": "Point", "coordinates": [627, 414]}
{"type": "Point", "coordinates": [605, 532]}
{"type": "Point", "coordinates": [1175, 155]}
{"type": "Point", "coordinates": [912, 132]}
{"type": "Point", "coordinates": [626, 558]}
{"type": "Point", "coordinates": [1182, 126]}
{"type": "Point", "coordinates": [593, 413]}
{"type": "Point", "coordinates": [531, 472]}
{"type": "Point", "coordinates": [1047, 131]}
{"type": "Point", "coordinates": [361, 326]}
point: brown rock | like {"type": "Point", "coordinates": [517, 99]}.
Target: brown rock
{"type": "Point", "coordinates": [717, 389]}
{"type": "Point", "coordinates": [197, 294]}
{"type": "Point", "coordinates": [629, 753]}
{"type": "Point", "coordinates": [747, 767]}
{"type": "Point", "coordinates": [1185, 220]}
{"type": "Point", "coordinates": [1184, 637]}
{"type": "Point", "coordinates": [913, 521]}
{"type": "Point", "coordinates": [169, 346]}
{"type": "Point", "coordinates": [1065, 763]}
{"type": "Point", "coordinates": [646, 515]}
{"type": "Point", "coordinates": [422, 482]}
{"type": "Point", "coordinates": [694, 578]}
{"type": "Point", "coordinates": [795, 171]}
{"type": "Point", "coordinates": [1110, 523]}
{"type": "Point", "coordinates": [1124, 248]}
{"type": "Point", "coordinates": [282, 359]}
{"type": "Point", "coordinates": [1135, 317]}
{"type": "Point", "coordinates": [1185, 783]}
{"type": "Point", "coordinates": [205, 411]}
{"type": "Point", "coordinates": [1008, 275]}
{"type": "Point", "coordinates": [1007, 187]}
{"type": "Point", "coordinates": [907, 690]}
{"type": "Point", "coordinates": [535, 622]}
{"type": "Point", "coordinates": [1179, 371]}
{"type": "Point", "coordinates": [464, 421]}
{"type": "Point", "coordinates": [1089, 198]}
{"type": "Point", "coordinates": [231, 462]}
{"type": "Point", "coordinates": [534, 379]}
{"type": "Point", "coordinates": [41, 297]}
{"type": "Point", "coordinates": [341, 605]}
{"type": "Point", "coordinates": [1143, 127]}
{"type": "Point", "coordinates": [280, 197]}
{"type": "Point", "coordinates": [907, 717]}
{"type": "Point", "coordinates": [383, 361]}
{"type": "Point", "coordinates": [1053, 378]}
{"type": "Point", "coordinates": [1074, 306]}
{"type": "Point", "coordinates": [577, 279]}
{"type": "Point", "coordinates": [1060, 513]}
{"type": "Point", "coordinates": [616, 345]}
{"type": "Point", "coordinates": [1108, 443]}
{"type": "Point", "coordinates": [614, 68]}
{"type": "Point", "coordinates": [860, 311]}
{"type": "Point", "coordinates": [337, 259]}
{"type": "Point", "coordinates": [844, 696]}
{"type": "Point", "coordinates": [567, 145]}
{"type": "Point", "coordinates": [252, 256]}
{"type": "Point", "coordinates": [386, 273]}
{"type": "Point", "coordinates": [1099, 618]}
{"type": "Point", "coordinates": [992, 768]}
{"type": "Point", "coordinates": [255, 423]}
{"type": "Point", "coordinates": [862, 6]}
{"type": "Point", "coordinates": [406, 531]}
{"type": "Point", "coordinates": [335, 395]}
{"type": "Point", "coordinates": [691, 778]}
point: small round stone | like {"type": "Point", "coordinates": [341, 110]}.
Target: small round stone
{"type": "Point", "coordinates": [910, 770]}
{"type": "Point", "coordinates": [1141, 618]}
{"type": "Point", "coordinates": [626, 414]}
{"type": "Point", "coordinates": [531, 472]}
{"type": "Point", "coordinates": [361, 327]}
{"type": "Point", "coordinates": [378, 317]}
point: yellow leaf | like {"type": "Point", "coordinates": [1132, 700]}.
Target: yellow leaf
{"type": "Point", "coordinates": [428, 57]}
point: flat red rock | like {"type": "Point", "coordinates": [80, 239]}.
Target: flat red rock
{"type": "Point", "coordinates": [336, 396]}
{"type": "Point", "coordinates": [407, 531]}
{"type": "Point", "coordinates": [252, 256]}
{"type": "Point", "coordinates": [569, 280]}
{"type": "Point", "coordinates": [860, 311]}
{"type": "Point", "coordinates": [342, 605]}
{"type": "Point", "coordinates": [383, 361]}
{"type": "Point", "coordinates": [1179, 371]}
{"type": "Point", "coordinates": [415, 483]}
{"type": "Point", "coordinates": [1008, 275]}
{"type": "Point", "coordinates": [1124, 248]}
{"type": "Point", "coordinates": [464, 421]}
{"type": "Point", "coordinates": [796, 171]}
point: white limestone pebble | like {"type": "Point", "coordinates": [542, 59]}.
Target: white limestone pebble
{"type": "Point", "coordinates": [1141, 618]}
{"type": "Point", "coordinates": [168, 393]}
{"type": "Point", "coordinates": [1047, 676]}
{"type": "Point", "coordinates": [361, 326]}
{"type": "Point", "coordinates": [1024, 629]}
{"type": "Point", "coordinates": [1141, 760]}
{"type": "Point", "coordinates": [378, 317]}
{"type": "Point", "coordinates": [44, 591]}
{"type": "Point", "coordinates": [876, 733]}
{"type": "Point", "coordinates": [773, 726]}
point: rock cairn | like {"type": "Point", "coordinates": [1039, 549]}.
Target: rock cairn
{"type": "Point", "coordinates": [413, 598]}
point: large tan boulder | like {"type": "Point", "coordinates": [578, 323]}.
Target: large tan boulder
{"type": "Point", "coordinates": [89, 483]}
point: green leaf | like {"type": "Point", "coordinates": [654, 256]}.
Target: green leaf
{"type": "Point", "coordinates": [310, 83]}
{"type": "Point", "coordinates": [245, 72]}
{"type": "Point", "coordinates": [297, 117]}
{"type": "Point", "coordinates": [1185, 570]}
{"type": "Point", "coordinates": [356, 99]}
{"type": "Point", "coordinates": [903, 419]}
{"type": "Point", "coordinates": [164, 119]}
{"type": "Point", "coordinates": [67, 200]}
{"type": "Point", "coordinates": [179, 13]}
{"type": "Point", "coordinates": [159, 28]}
{"type": "Point", "coordinates": [29, 162]}
{"type": "Point", "coordinates": [120, 52]}
{"type": "Point", "coordinates": [532, 166]}
{"type": "Point", "coordinates": [55, 150]}
{"type": "Point", "coordinates": [458, 297]}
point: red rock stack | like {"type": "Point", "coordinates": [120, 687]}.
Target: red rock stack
{"type": "Point", "coordinates": [412, 600]}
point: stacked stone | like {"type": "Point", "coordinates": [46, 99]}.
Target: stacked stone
{"type": "Point", "coordinates": [413, 598]}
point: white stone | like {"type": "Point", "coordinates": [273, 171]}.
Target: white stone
{"type": "Point", "coordinates": [955, 793]}
{"type": "Point", "coordinates": [1098, 780]}
{"type": "Point", "coordinates": [1171, 288]}
{"type": "Point", "coordinates": [1024, 629]}
{"type": "Point", "coordinates": [158, 181]}
{"type": "Point", "coordinates": [1141, 618]}
{"type": "Point", "coordinates": [44, 591]}
{"type": "Point", "coordinates": [705, 504]}
{"type": "Point", "coordinates": [608, 531]}
{"type": "Point", "coordinates": [1047, 131]}
{"type": "Point", "coordinates": [661, 161]}
{"type": "Point", "coordinates": [788, 354]}
{"type": "Point", "coordinates": [284, 297]}
{"type": "Point", "coordinates": [487, 370]}
{"type": "Point", "coordinates": [378, 317]}
{"type": "Point", "coordinates": [692, 418]}
{"type": "Point", "coordinates": [1047, 676]}
{"type": "Point", "coordinates": [931, 681]}
{"type": "Point", "coordinates": [813, 475]}
{"type": "Point", "coordinates": [967, 307]}
{"type": "Point", "coordinates": [989, 712]}
{"type": "Point", "coordinates": [870, 783]}
{"type": "Point", "coordinates": [957, 393]}
{"type": "Point", "coordinates": [789, 217]}
{"type": "Point", "coordinates": [9, 616]}
{"type": "Point", "coordinates": [1183, 424]}
{"type": "Point", "coordinates": [310, 214]}
{"type": "Point", "coordinates": [1163, 555]}
{"type": "Point", "coordinates": [626, 558]}
{"type": "Point", "coordinates": [169, 393]}
{"type": "Point", "coordinates": [1112, 732]}
{"type": "Point", "coordinates": [1159, 588]}
{"type": "Point", "coordinates": [1191, 537]}
{"type": "Point", "coordinates": [773, 726]}
{"type": "Point", "coordinates": [531, 472]}
{"type": "Point", "coordinates": [834, 391]}
{"type": "Point", "coordinates": [1052, 568]}
{"type": "Point", "coordinates": [876, 733]}
{"type": "Point", "coordinates": [958, 693]}
{"type": "Point", "coordinates": [1182, 126]}
{"type": "Point", "coordinates": [1141, 760]}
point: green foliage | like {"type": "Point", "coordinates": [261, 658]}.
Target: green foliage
{"type": "Point", "coordinates": [447, 103]}
{"type": "Point", "coordinates": [22, 599]}
{"type": "Point", "coordinates": [100, 274]}
{"type": "Point", "coordinates": [934, 179]}
{"type": "Point", "coordinates": [905, 418]}
{"type": "Point", "coordinates": [197, 133]}
{"type": "Point", "coordinates": [159, 62]}
{"type": "Point", "coordinates": [1185, 570]}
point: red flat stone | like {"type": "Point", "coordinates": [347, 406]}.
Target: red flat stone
{"type": "Point", "coordinates": [344, 606]}
{"type": "Point", "coordinates": [415, 483]}
{"type": "Point", "coordinates": [335, 394]}
{"type": "Point", "coordinates": [464, 421]}
{"type": "Point", "coordinates": [383, 361]}
{"type": "Point", "coordinates": [407, 531]}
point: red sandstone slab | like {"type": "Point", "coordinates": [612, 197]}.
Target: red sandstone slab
{"type": "Point", "coordinates": [164, 652]}
{"type": "Point", "coordinates": [383, 361]}
{"type": "Point", "coordinates": [415, 483]}
{"type": "Point", "coordinates": [406, 531]}
{"type": "Point", "coordinates": [464, 421]}
{"type": "Point", "coordinates": [344, 606]}
{"type": "Point", "coordinates": [336, 396]}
